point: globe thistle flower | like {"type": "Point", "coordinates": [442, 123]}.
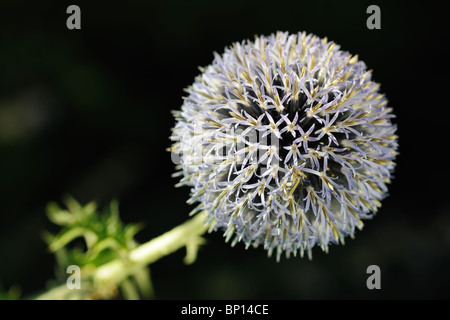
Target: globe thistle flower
{"type": "Point", "coordinates": [286, 142]}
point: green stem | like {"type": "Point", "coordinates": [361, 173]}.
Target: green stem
{"type": "Point", "coordinates": [147, 253]}
{"type": "Point", "coordinates": [115, 272]}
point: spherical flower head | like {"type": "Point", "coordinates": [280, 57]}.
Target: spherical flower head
{"type": "Point", "coordinates": [286, 142]}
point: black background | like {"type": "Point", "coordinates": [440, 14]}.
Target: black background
{"type": "Point", "coordinates": [87, 113]}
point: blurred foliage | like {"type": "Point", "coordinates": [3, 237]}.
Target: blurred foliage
{"type": "Point", "coordinates": [105, 238]}
{"type": "Point", "coordinates": [13, 293]}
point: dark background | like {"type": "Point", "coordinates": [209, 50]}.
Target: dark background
{"type": "Point", "coordinates": [87, 113]}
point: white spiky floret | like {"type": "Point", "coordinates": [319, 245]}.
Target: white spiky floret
{"type": "Point", "coordinates": [286, 142]}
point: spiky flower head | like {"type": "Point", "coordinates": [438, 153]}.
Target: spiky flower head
{"type": "Point", "coordinates": [286, 142]}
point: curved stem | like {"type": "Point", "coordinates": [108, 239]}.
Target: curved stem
{"type": "Point", "coordinates": [114, 272]}
{"type": "Point", "coordinates": [147, 253]}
